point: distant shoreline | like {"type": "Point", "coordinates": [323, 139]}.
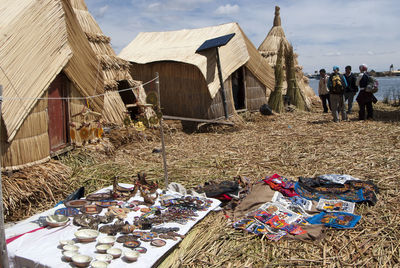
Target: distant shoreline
{"type": "Point", "coordinates": [373, 73]}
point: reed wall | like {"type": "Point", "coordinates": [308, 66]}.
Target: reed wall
{"type": "Point", "coordinates": [31, 143]}
{"type": "Point", "coordinates": [256, 93]}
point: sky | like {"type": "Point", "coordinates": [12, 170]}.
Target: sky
{"type": "Point", "coordinates": [323, 33]}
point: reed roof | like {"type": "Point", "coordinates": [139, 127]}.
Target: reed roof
{"type": "Point", "coordinates": [181, 46]}
{"type": "Point", "coordinates": [269, 50]}
{"type": "Point", "coordinates": [114, 68]}
{"type": "Point", "coordinates": [270, 46]}
{"type": "Point", "coordinates": [39, 40]}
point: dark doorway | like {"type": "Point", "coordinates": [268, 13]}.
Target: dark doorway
{"type": "Point", "coordinates": [238, 89]}
{"type": "Point", "coordinates": [129, 99]}
{"type": "Point", "coordinates": [58, 113]}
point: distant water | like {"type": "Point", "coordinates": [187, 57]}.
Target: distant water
{"type": "Point", "coordinates": [387, 87]}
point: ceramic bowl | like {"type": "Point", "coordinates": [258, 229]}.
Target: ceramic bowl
{"type": "Point", "coordinates": [66, 242]}
{"type": "Point", "coordinates": [102, 248]}
{"type": "Point", "coordinates": [69, 254]}
{"type": "Point", "coordinates": [86, 235]}
{"type": "Point", "coordinates": [107, 240]}
{"type": "Point", "coordinates": [104, 257]}
{"type": "Point", "coordinates": [81, 260]}
{"type": "Point", "coordinates": [131, 255]}
{"type": "Point", "coordinates": [56, 220]}
{"type": "Point", "coordinates": [99, 264]}
{"type": "Point", "coordinates": [115, 252]}
{"type": "Point", "coordinates": [70, 248]}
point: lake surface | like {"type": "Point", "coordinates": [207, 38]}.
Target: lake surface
{"type": "Point", "coordinates": [388, 87]}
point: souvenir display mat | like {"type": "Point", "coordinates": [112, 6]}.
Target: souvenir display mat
{"type": "Point", "coordinates": [40, 248]}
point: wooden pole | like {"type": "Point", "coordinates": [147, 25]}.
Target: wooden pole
{"type": "Point", "coordinates": [3, 249]}
{"type": "Point", "coordinates": [162, 133]}
{"type": "Point", "coordinates": [222, 84]}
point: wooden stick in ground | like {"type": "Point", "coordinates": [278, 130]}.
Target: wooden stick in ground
{"type": "Point", "coordinates": [162, 134]}
{"type": "Point", "coordinates": [3, 249]}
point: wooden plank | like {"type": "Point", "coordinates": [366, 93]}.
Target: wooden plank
{"type": "Point", "coordinates": [3, 246]}
{"type": "Point", "coordinates": [169, 117]}
{"type": "Point", "coordinates": [140, 105]}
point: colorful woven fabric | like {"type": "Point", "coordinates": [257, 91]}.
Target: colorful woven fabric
{"type": "Point", "coordinates": [281, 184]}
{"type": "Point", "coordinates": [341, 220]}
{"type": "Point", "coordinates": [353, 191]}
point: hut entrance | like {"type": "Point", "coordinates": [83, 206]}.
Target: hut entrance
{"type": "Point", "coordinates": [238, 89]}
{"type": "Point", "coordinates": [129, 99]}
{"type": "Point", "coordinates": [57, 113]}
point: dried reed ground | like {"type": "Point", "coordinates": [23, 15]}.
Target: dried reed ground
{"type": "Point", "coordinates": [292, 145]}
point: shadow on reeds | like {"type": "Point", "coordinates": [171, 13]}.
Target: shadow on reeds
{"type": "Point", "coordinates": [320, 122]}
{"type": "Point", "coordinates": [386, 116]}
{"type": "Point", "coordinates": [193, 127]}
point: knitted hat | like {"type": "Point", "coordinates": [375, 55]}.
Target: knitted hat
{"type": "Point", "coordinates": [363, 67]}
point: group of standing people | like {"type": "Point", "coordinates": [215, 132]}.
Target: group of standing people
{"type": "Point", "coordinates": [337, 89]}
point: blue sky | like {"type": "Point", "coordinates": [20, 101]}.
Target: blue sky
{"type": "Point", "coordinates": [324, 33]}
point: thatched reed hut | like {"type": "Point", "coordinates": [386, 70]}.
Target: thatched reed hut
{"type": "Point", "coordinates": [115, 70]}
{"type": "Point", "coordinates": [269, 50]}
{"type": "Point", "coordinates": [43, 54]}
{"type": "Point", "coordinates": [189, 82]}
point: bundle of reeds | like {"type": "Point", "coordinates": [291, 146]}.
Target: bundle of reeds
{"type": "Point", "coordinates": [276, 99]}
{"type": "Point", "coordinates": [293, 91]}
{"type": "Point", "coordinates": [97, 38]}
{"type": "Point", "coordinates": [35, 189]}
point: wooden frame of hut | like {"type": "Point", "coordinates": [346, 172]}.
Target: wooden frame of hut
{"type": "Point", "coordinates": [189, 83]}
{"type": "Point", "coordinates": [269, 50]}
{"type": "Point", "coordinates": [43, 54]}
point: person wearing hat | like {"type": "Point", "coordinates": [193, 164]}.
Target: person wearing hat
{"type": "Point", "coordinates": [364, 98]}
{"type": "Point", "coordinates": [336, 85]}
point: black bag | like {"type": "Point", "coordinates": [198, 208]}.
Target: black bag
{"type": "Point", "coordinates": [265, 110]}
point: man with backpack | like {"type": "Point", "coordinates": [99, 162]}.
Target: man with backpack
{"type": "Point", "coordinates": [351, 88]}
{"type": "Point", "coordinates": [336, 85]}
{"type": "Point", "coordinates": [365, 98]}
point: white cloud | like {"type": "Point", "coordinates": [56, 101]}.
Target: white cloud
{"type": "Point", "coordinates": [154, 5]}
{"type": "Point", "coordinates": [339, 33]}
{"type": "Point", "coordinates": [227, 9]}
{"type": "Point", "coordinates": [102, 11]}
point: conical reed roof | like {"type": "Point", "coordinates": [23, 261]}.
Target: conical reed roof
{"type": "Point", "coordinates": [269, 50]}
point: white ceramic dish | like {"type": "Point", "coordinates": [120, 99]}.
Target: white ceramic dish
{"type": "Point", "coordinates": [86, 235]}
{"type": "Point", "coordinates": [70, 248]}
{"type": "Point", "coordinates": [104, 257]}
{"type": "Point", "coordinates": [69, 254]}
{"type": "Point", "coordinates": [99, 264]}
{"type": "Point", "coordinates": [108, 240]}
{"type": "Point", "coordinates": [56, 220]}
{"type": "Point", "coordinates": [66, 242]}
{"type": "Point", "coordinates": [81, 260]}
{"type": "Point", "coordinates": [102, 248]}
{"type": "Point", "coordinates": [115, 252]}
{"type": "Point", "coordinates": [131, 255]}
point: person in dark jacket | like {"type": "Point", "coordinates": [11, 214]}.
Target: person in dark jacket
{"type": "Point", "coordinates": [364, 98]}
{"type": "Point", "coordinates": [351, 89]}
{"type": "Point", "coordinates": [336, 85]}
{"type": "Point", "coordinates": [323, 90]}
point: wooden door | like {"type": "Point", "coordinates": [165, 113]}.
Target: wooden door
{"type": "Point", "coordinates": [57, 113]}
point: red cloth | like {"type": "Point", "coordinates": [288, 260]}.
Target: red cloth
{"type": "Point", "coordinates": [281, 184]}
{"type": "Point", "coordinates": [18, 236]}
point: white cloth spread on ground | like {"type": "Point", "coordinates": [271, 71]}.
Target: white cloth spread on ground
{"type": "Point", "coordinates": [41, 248]}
